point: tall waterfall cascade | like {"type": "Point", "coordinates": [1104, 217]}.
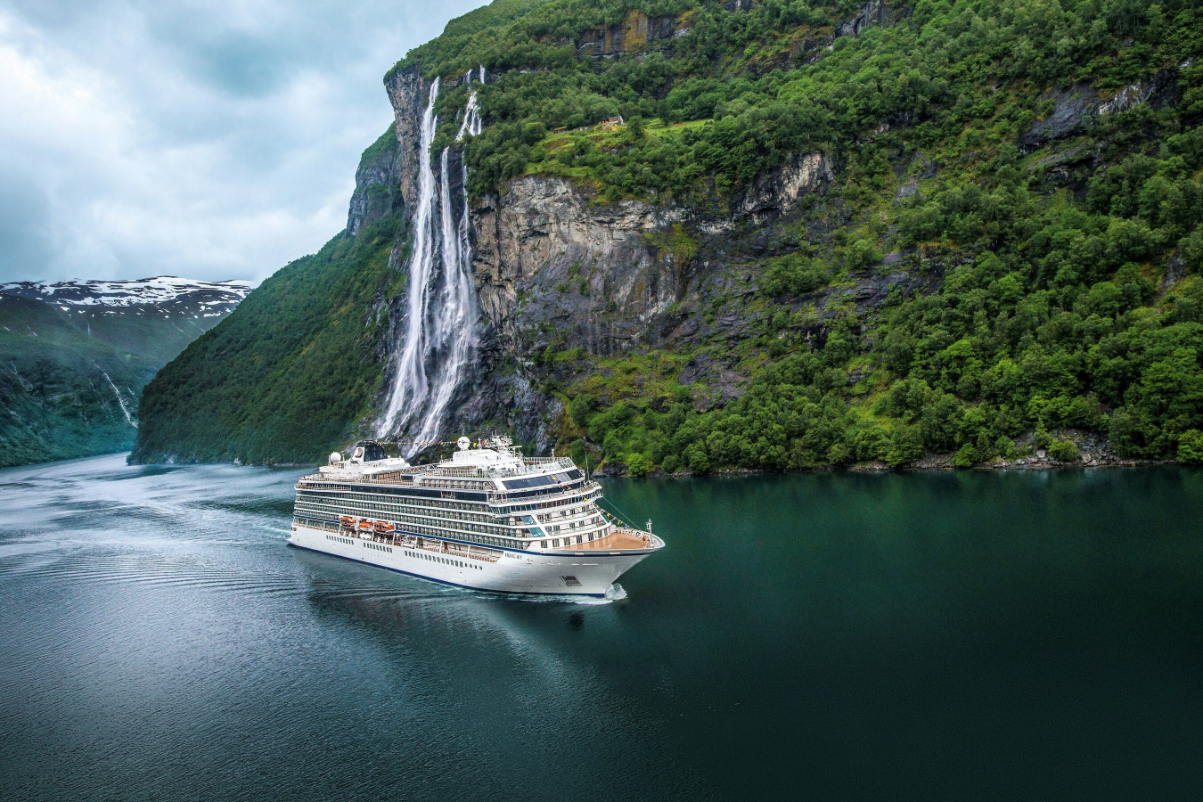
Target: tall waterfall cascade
{"type": "Point", "coordinates": [437, 347]}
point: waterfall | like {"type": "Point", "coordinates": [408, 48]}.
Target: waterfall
{"type": "Point", "coordinates": [409, 386]}
{"type": "Point", "coordinates": [439, 342]}
{"type": "Point", "coordinates": [471, 123]}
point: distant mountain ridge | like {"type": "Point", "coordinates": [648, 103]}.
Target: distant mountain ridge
{"type": "Point", "coordinates": [75, 355]}
{"type": "Point", "coordinates": [134, 292]}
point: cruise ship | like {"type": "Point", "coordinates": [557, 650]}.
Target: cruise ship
{"type": "Point", "coordinates": [487, 518]}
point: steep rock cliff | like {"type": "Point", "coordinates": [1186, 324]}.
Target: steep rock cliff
{"type": "Point", "coordinates": [548, 258]}
{"type": "Point", "coordinates": [557, 268]}
{"type": "Point", "coordinates": [407, 92]}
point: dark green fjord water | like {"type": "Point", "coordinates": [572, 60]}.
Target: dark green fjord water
{"type": "Point", "coordinates": [928, 636]}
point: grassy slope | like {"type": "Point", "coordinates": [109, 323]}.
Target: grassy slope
{"type": "Point", "coordinates": [287, 373]}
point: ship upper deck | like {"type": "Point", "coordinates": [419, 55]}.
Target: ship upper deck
{"type": "Point", "coordinates": [498, 469]}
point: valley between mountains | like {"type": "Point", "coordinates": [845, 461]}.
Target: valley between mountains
{"type": "Point", "coordinates": [75, 355]}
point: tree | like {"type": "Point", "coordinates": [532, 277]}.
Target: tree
{"type": "Point", "coordinates": [699, 462]}
{"type": "Point", "coordinates": [906, 445]}
{"type": "Point", "coordinates": [1190, 447]}
{"type": "Point", "coordinates": [966, 457]}
{"type": "Point", "coordinates": [636, 128]}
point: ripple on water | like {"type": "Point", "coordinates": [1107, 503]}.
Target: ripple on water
{"type": "Point", "coordinates": [159, 640]}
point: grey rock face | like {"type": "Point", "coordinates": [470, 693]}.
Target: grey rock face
{"type": "Point", "coordinates": [634, 35]}
{"type": "Point", "coordinates": [407, 92]}
{"type": "Point", "coordinates": [778, 191]}
{"type": "Point", "coordinates": [1072, 107]}
{"type": "Point", "coordinates": [874, 11]}
{"type": "Point", "coordinates": [550, 263]}
{"type": "Point", "coordinates": [1075, 106]}
{"type": "Point", "coordinates": [377, 188]}
{"type": "Point", "coordinates": [1159, 90]}
{"type": "Point", "coordinates": [907, 190]}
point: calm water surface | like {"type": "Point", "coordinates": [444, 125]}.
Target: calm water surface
{"type": "Point", "coordinates": [921, 636]}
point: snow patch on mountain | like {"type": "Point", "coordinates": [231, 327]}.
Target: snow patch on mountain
{"type": "Point", "coordinates": [138, 292]}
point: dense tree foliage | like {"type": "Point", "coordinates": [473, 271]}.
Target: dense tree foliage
{"type": "Point", "coordinates": [764, 96]}
{"type": "Point", "coordinates": [63, 381]}
{"type": "Point", "coordinates": [1049, 316]}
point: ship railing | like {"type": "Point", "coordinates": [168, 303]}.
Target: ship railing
{"type": "Point", "coordinates": [473, 551]}
{"type": "Point", "coordinates": [351, 476]}
{"type": "Point", "coordinates": [565, 462]}
{"type": "Point", "coordinates": [651, 540]}
{"type": "Point", "coordinates": [314, 523]}
{"type": "Point", "coordinates": [499, 498]}
{"type": "Point", "coordinates": [477, 553]}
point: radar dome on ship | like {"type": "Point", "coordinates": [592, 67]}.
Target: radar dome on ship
{"type": "Point", "coordinates": [463, 443]}
{"type": "Point", "coordinates": [335, 457]}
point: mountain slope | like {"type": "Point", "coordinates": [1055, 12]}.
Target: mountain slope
{"type": "Point", "coordinates": [288, 372]}
{"type": "Point", "coordinates": [74, 357]}
{"type": "Point", "coordinates": [823, 234]}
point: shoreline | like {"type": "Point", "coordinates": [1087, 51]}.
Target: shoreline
{"type": "Point", "coordinates": [943, 463]}
{"type": "Point", "coordinates": [1093, 450]}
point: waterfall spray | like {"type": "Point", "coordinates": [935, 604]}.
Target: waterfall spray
{"type": "Point", "coordinates": [440, 332]}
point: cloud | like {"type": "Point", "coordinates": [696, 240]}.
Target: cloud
{"type": "Point", "coordinates": [197, 139]}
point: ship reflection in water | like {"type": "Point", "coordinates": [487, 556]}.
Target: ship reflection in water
{"type": "Point", "coordinates": [997, 636]}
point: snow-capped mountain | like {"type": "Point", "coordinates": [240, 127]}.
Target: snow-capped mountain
{"type": "Point", "coordinates": [197, 299]}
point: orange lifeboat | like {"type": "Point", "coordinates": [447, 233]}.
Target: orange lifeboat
{"type": "Point", "coordinates": [348, 522]}
{"type": "Point", "coordinates": [365, 526]}
{"type": "Point", "coordinates": [384, 528]}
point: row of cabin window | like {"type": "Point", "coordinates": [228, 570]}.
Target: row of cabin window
{"type": "Point", "coordinates": [520, 508]}
{"type": "Point", "coordinates": [372, 503]}
{"type": "Point", "coordinates": [568, 541]}
{"type": "Point", "coordinates": [419, 530]}
{"type": "Point", "coordinates": [376, 508]}
{"type": "Point", "coordinates": [367, 509]}
{"type": "Point", "coordinates": [587, 496]}
{"type": "Point", "coordinates": [444, 560]}
{"type": "Point", "coordinates": [380, 509]}
{"type": "Point", "coordinates": [387, 498]}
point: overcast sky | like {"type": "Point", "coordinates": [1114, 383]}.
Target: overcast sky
{"type": "Point", "coordinates": [210, 140]}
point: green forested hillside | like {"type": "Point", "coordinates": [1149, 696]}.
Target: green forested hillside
{"type": "Point", "coordinates": [1055, 311]}
{"type": "Point", "coordinates": [288, 374]}
{"type": "Point", "coordinates": [1028, 171]}
{"type": "Point", "coordinates": [63, 393]}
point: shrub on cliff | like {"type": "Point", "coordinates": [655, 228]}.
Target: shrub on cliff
{"type": "Point", "coordinates": [1063, 451]}
{"type": "Point", "coordinates": [794, 275]}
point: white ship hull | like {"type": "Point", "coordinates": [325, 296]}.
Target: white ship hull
{"type": "Point", "coordinates": [588, 573]}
